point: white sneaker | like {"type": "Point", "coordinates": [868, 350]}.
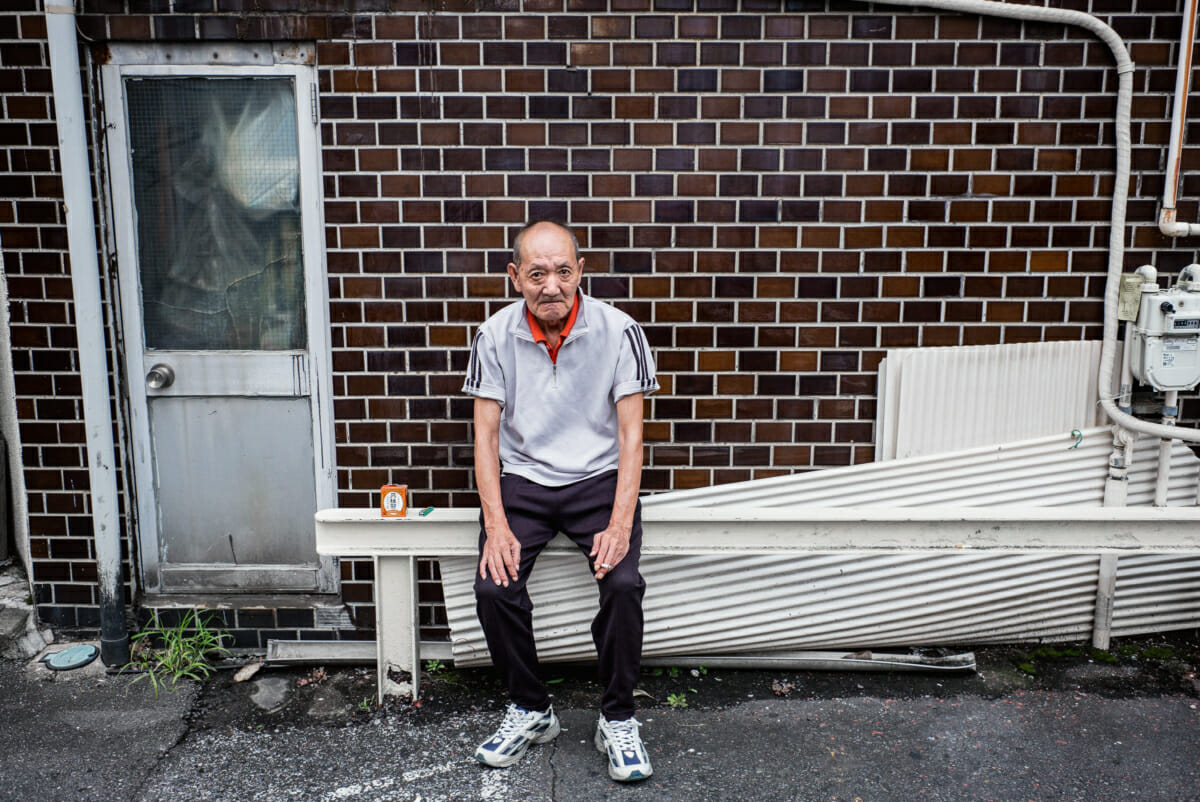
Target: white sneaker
{"type": "Point", "coordinates": [627, 758]}
{"type": "Point", "coordinates": [519, 729]}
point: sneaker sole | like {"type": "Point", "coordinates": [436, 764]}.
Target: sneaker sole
{"type": "Point", "coordinates": [633, 775]}
{"type": "Point", "coordinates": [502, 763]}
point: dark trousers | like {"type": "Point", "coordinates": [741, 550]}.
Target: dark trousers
{"type": "Point", "coordinates": [535, 514]}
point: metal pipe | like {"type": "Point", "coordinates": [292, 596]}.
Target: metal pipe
{"type": "Point", "coordinates": [1117, 232]}
{"type": "Point", "coordinates": [1116, 485]}
{"type": "Point", "coordinates": [1149, 277]}
{"type": "Point", "coordinates": [1170, 413]}
{"type": "Point", "coordinates": [1120, 462]}
{"type": "Point", "coordinates": [89, 326]}
{"type": "Point", "coordinates": [1125, 399]}
{"type": "Point", "coordinates": [824, 661]}
{"type": "Point", "coordinates": [1168, 224]}
{"type": "Point", "coordinates": [11, 430]}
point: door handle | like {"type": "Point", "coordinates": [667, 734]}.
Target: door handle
{"type": "Point", "coordinates": [160, 377]}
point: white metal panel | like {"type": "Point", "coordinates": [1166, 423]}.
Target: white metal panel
{"type": "Point", "coordinates": [934, 400]}
{"type": "Point", "coordinates": [931, 401]}
{"type": "Point", "coordinates": [240, 373]}
{"type": "Point", "coordinates": [896, 599]}
{"type": "Point", "coordinates": [778, 531]}
{"type": "Point", "coordinates": [1054, 471]}
{"type": "Point", "coordinates": [1156, 592]}
{"type": "Point", "coordinates": [825, 601]}
{"type": "Point", "coordinates": [245, 529]}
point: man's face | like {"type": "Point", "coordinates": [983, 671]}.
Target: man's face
{"type": "Point", "coordinates": [548, 275]}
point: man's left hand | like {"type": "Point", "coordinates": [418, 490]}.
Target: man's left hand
{"type": "Point", "coordinates": [608, 549]}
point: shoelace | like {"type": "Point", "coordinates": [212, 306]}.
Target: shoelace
{"type": "Point", "coordinates": [624, 734]}
{"type": "Point", "coordinates": [516, 719]}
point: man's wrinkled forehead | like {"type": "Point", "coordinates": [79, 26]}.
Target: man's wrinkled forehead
{"type": "Point", "coordinates": [545, 239]}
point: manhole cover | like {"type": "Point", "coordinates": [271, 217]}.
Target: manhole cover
{"type": "Point", "coordinates": [74, 657]}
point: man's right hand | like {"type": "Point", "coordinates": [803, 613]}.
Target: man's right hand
{"type": "Point", "coordinates": [501, 557]}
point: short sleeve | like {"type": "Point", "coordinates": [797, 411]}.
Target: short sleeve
{"type": "Point", "coordinates": [484, 379]}
{"type": "Point", "coordinates": [635, 366]}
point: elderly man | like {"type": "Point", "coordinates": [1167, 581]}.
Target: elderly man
{"type": "Point", "coordinates": [558, 380]}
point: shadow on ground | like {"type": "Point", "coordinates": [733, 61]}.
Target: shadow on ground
{"type": "Point", "coordinates": [312, 695]}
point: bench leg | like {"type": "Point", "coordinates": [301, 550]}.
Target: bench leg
{"type": "Point", "coordinates": [397, 631]}
{"type": "Point", "coordinates": [1105, 590]}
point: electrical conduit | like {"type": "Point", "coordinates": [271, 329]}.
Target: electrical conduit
{"type": "Point", "coordinates": [1116, 242]}
{"type": "Point", "coordinates": [1167, 222]}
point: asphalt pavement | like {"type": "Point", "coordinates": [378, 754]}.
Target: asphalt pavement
{"type": "Point", "coordinates": [1096, 733]}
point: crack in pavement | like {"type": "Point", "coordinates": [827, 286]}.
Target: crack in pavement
{"type": "Point", "coordinates": [185, 729]}
{"type": "Point", "coordinates": [554, 769]}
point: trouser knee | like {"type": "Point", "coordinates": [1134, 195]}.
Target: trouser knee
{"type": "Point", "coordinates": [488, 593]}
{"type": "Point", "coordinates": [622, 588]}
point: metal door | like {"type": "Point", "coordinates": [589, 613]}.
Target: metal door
{"type": "Point", "coordinates": [215, 206]}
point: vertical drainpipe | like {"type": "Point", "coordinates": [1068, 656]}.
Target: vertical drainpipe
{"type": "Point", "coordinates": [1168, 223]}
{"type": "Point", "coordinates": [10, 427]}
{"type": "Point", "coordinates": [89, 325]}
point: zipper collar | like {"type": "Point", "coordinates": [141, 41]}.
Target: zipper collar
{"type": "Point", "coordinates": [520, 327]}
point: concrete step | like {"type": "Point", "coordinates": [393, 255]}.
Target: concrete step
{"type": "Point", "coordinates": [20, 638]}
{"type": "Point", "coordinates": [12, 623]}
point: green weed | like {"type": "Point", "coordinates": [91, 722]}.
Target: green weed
{"type": "Point", "coordinates": [1157, 653]}
{"type": "Point", "coordinates": [167, 655]}
{"type": "Point", "coordinates": [1055, 653]}
{"type": "Point", "coordinates": [677, 700]}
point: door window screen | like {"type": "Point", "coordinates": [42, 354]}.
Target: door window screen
{"type": "Point", "coordinates": [216, 190]}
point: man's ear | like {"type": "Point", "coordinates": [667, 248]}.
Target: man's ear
{"type": "Point", "coordinates": [513, 272]}
{"type": "Point", "coordinates": [581, 264]}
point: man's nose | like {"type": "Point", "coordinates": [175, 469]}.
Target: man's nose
{"type": "Point", "coordinates": [552, 285]}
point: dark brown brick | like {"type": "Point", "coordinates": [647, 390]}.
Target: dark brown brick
{"type": "Point", "coordinates": [839, 183]}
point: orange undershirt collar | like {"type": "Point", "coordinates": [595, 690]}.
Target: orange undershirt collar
{"type": "Point", "coordinates": [539, 336]}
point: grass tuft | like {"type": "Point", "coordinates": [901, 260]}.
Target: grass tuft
{"type": "Point", "coordinates": [168, 655]}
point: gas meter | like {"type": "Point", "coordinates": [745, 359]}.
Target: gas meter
{"type": "Point", "coordinates": [1166, 336]}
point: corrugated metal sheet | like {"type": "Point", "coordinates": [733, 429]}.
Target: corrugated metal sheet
{"type": "Point", "coordinates": [970, 427]}
{"type": "Point", "coordinates": [1053, 471]}
{"type": "Point", "coordinates": [935, 400]}
{"type": "Point", "coordinates": [822, 601]}
{"type": "Point", "coordinates": [1155, 593]}
{"type": "Point", "coordinates": [877, 600]}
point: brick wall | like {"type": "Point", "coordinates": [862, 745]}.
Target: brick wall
{"type": "Point", "coordinates": [45, 362]}
{"type": "Point", "coordinates": [778, 191]}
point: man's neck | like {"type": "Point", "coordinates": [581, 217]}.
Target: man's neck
{"type": "Point", "coordinates": [551, 330]}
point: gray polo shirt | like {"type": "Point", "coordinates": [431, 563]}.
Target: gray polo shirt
{"type": "Point", "coordinates": [558, 422]}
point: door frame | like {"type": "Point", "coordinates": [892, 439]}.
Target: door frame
{"type": "Point", "coordinates": [233, 61]}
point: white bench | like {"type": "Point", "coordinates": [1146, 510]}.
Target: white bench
{"type": "Point", "coordinates": [395, 544]}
